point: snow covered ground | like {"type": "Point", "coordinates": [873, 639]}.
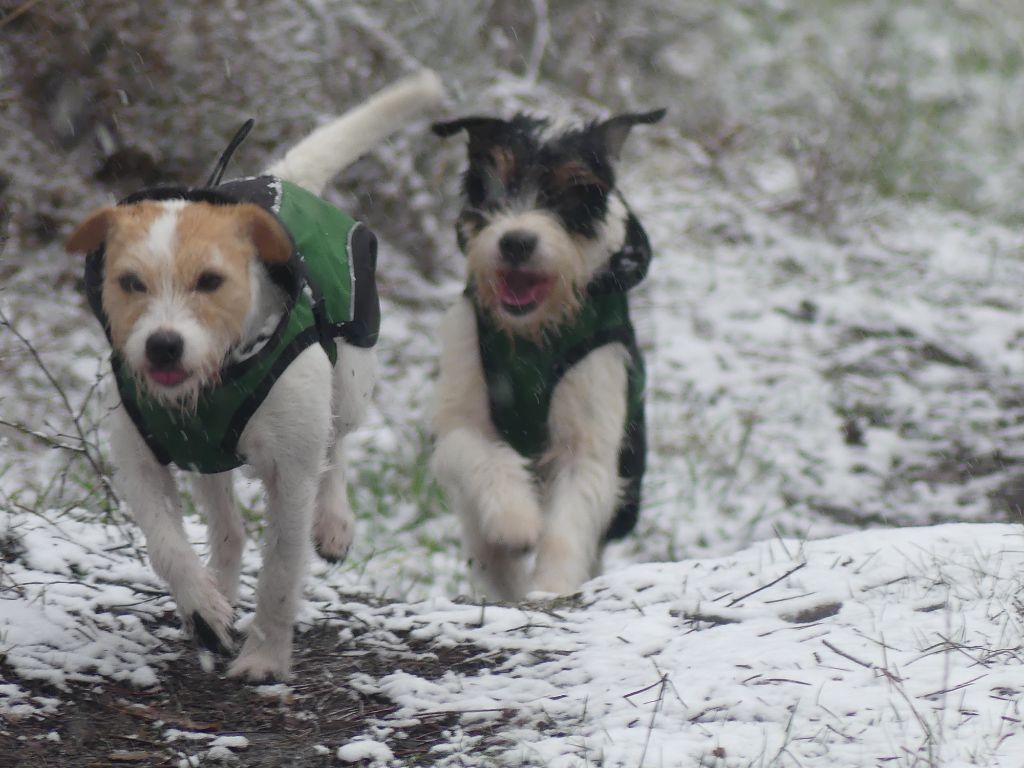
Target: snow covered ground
{"type": "Point", "coordinates": [828, 562]}
{"type": "Point", "coordinates": [887, 647]}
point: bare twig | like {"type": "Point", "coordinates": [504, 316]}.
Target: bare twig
{"type": "Point", "coordinates": [845, 655]}
{"type": "Point", "coordinates": [375, 32]}
{"type": "Point", "coordinates": [772, 583]}
{"type": "Point", "coordinates": [27, 5]}
{"type": "Point", "coordinates": [89, 394]}
{"type": "Point", "coordinates": [654, 715]}
{"type": "Point", "coordinates": [447, 712]}
{"type": "Point", "coordinates": [89, 451]}
{"type": "Point", "coordinates": [950, 689]}
{"type": "Point", "coordinates": [655, 684]}
{"type": "Point", "coordinates": [709, 618]}
{"type": "Point", "coordinates": [47, 440]}
{"type": "Point", "coordinates": [541, 37]}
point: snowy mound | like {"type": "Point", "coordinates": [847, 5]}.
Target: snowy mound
{"type": "Point", "coordinates": [866, 648]}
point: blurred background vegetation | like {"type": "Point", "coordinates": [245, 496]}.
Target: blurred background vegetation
{"type": "Point", "coordinates": [919, 99]}
{"type": "Point", "coordinates": [808, 144]}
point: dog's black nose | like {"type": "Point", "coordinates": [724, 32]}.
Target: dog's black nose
{"type": "Point", "coordinates": [164, 348]}
{"type": "Point", "coordinates": [517, 246]}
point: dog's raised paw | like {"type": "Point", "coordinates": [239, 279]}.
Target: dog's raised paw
{"type": "Point", "coordinates": [513, 523]}
{"type": "Point", "coordinates": [331, 554]}
{"type": "Point", "coordinates": [556, 581]}
{"type": "Point", "coordinates": [332, 535]}
{"type": "Point", "coordinates": [560, 567]}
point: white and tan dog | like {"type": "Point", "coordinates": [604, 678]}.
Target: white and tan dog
{"type": "Point", "coordinates": [539, 412]}
{"type": "Point", "coordinates": [191, 287]}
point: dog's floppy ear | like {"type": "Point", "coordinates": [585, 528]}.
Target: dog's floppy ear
{"type": "Point", "coordinates": [614, 130]}
{"type": "Point", "coordinates": [90, 234]}
{"type": "Point", "coordinates": [273, 244]}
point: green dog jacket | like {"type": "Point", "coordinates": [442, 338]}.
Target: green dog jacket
{"type": "Point", "coordinates": [332, 294]}
{"type": "Point", "coordinates": [522, 373]}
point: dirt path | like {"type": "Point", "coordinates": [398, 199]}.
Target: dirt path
{"type": "Point", "coordinates": [116, 726]}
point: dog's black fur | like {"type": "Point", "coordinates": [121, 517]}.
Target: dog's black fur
{"type": "Point", "coordinates": [516, 163]}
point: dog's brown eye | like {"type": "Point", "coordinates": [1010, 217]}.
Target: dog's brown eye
{"type": "Point", "coordinates": [131, 283]}
{"type": "Point", "coordinates": [209, 282]}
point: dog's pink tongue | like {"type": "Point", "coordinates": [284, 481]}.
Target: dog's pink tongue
{"type": "Point", "coordinates": [519, 289]}
{"type": "Point", "coordinates": [168, 378]}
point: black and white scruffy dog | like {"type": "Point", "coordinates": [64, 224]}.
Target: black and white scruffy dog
{"type": "Point", "coordinates": [539, 412]}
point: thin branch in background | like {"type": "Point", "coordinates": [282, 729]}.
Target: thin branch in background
{"type": "Point", "coordinates": [89, 452]}
{"type": "Point", "coordinates": [89, 394]}
{"type": "Point", "coordinates": [17, 12]}
{"type": "Point", "coordinates": [541, 38]}
{"type": "Point", "coordinates": [374, 31]}
{"type": "Point", "coordinates": [47, 440]}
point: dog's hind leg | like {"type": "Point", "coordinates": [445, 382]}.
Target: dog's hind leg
{"type": "Point", "coordinates": [333, 521]}
{"type": "Point", "coordinates": [588, 416]}
{"type": "Point", "coordinates": [153, 499]}
{"type": "Point", "coordinates": [286, 442]}
{"type": "Point", "coordinates": [226, 532]}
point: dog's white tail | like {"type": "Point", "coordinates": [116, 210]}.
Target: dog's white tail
{"type": "Point", "coordinates": [329, 149]}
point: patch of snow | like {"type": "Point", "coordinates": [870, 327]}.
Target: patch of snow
{"type": "Point", "coordinates": [275, 691]}
{"type": "Point", "coordinates": [231, 742]}
{"type": "Point", "coordinates": [221, 754]}
{"type": "Point", "coordinates": [356, 751]}
{"type": "Point", "coordinates": [176, 734]}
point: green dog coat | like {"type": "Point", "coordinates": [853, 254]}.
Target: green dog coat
{"type": "Point", "coordinates": [332, 294]}
{"type": "Point", "coordinates": [522, 373]}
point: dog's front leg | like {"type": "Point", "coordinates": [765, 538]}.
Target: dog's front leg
{"type": "Point", "coordinates": [266, 653]}
{"type": "Point", "coordinates": [588, 414]}
{"type": "Point", "coordinates": [496, 483]}
{"type": "Point", "coordinates": [493, 493]}
{"type": "Point", "coordinates": [286, 442]}
{"type": "Point", "coordinates": [155, 505]}
{"type": "Point", "coordinates": [225, 530]}
{"type": "Point", "coordinates": [490, 485]}
{"type": "Point", "coordinates": [493, 481]}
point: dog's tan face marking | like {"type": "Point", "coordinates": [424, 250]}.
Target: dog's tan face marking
{"type": "Point", "coordinates": [504, 163]}
{"type": "Point", "coordinates": [554, 275]}
{"type": "Point", "coordinates": [574, 173]}
{"type": "Point", "coordinates": [179, 268]}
